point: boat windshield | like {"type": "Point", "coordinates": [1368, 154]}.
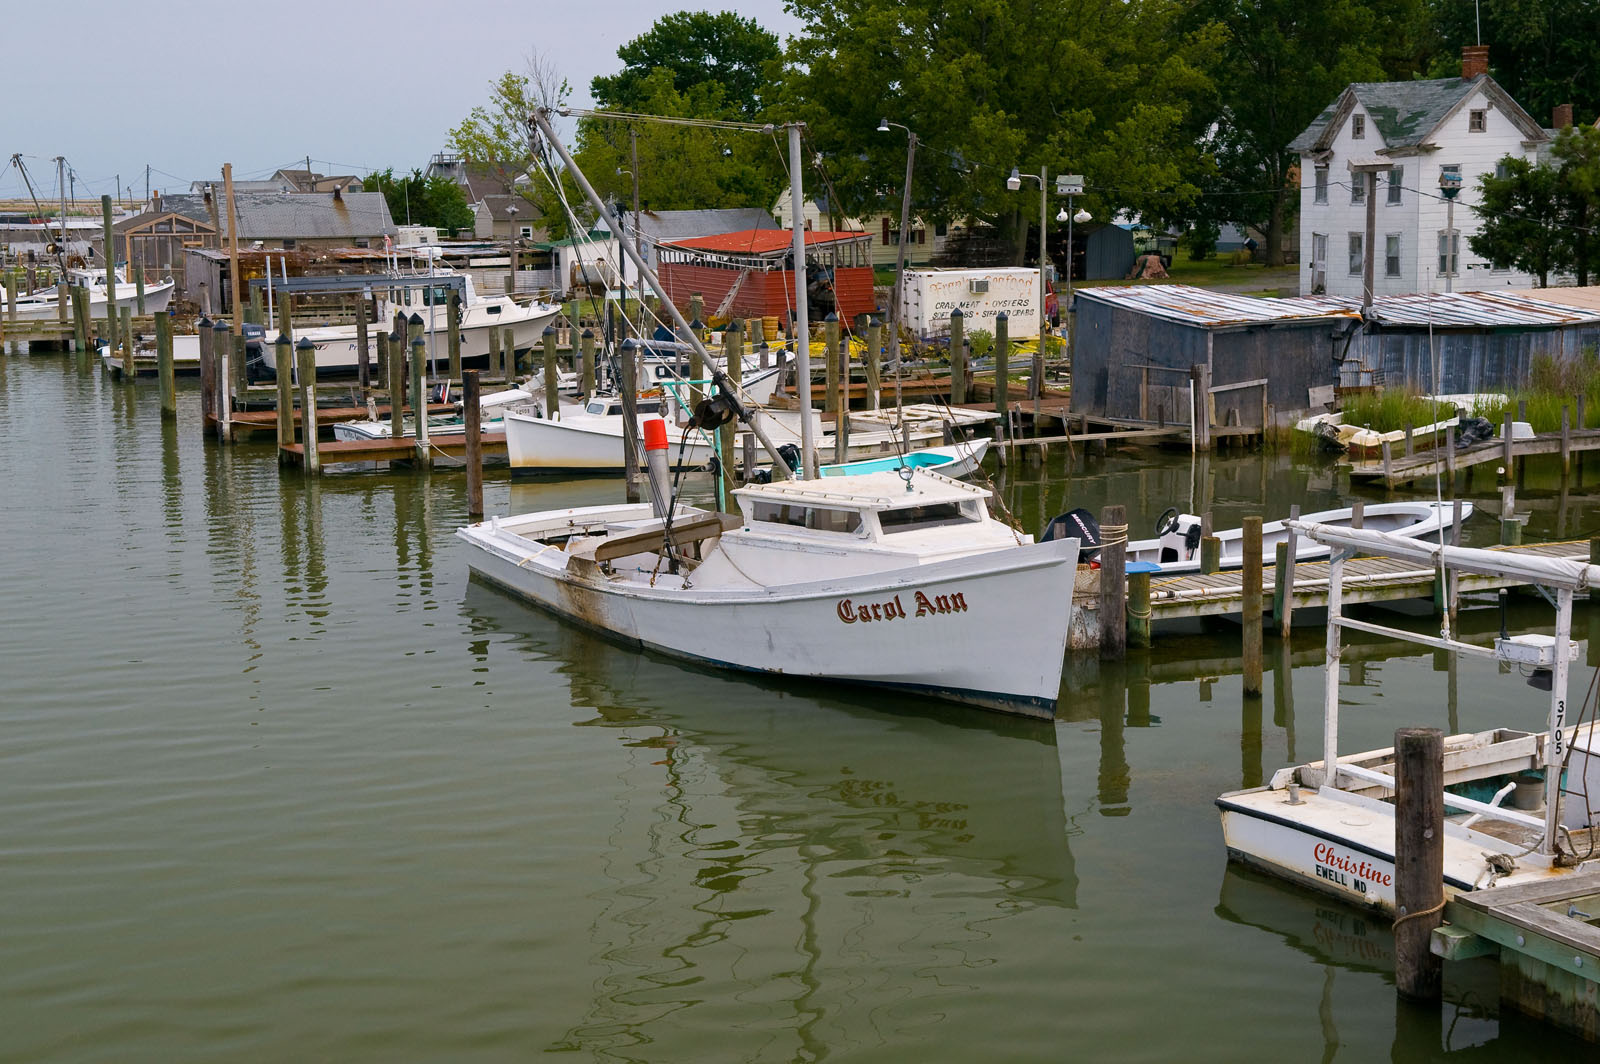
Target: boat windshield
{"type": "Point", "coordinates": [931, 515]}
{"type": "Point", "coordinates": [821, 518]}
{"type": "Point", "coordinates": [436, 296]}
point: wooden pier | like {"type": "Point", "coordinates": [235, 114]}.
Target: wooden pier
{"type": "Point", "coordinates": [251, 422]}
{"type": "Point", "coordinates": [391, 449]}
{"type": "Point", "coordinates": [1547, 936]}
{"type": "Point", "coordinates": [1440, 461]}
{"type": "Point", "coordinates": [1365, 580]}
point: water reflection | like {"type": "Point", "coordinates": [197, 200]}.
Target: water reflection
{"type": "Point", "coordinates": [791, 845]}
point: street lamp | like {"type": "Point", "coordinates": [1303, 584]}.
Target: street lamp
{"type": "Point", "coordinates": [1072, 185]}
{"type": "Point", "coordinates": [1449, 188]}
{"type": "Point", "coordinates": [1068, 185]}
{"type": "Point", "coordinates": [900, 259]}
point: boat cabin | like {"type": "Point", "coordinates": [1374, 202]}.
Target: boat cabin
{"type": "Point", "coordinates": [611, 406]}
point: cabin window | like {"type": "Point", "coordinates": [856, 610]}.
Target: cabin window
{"type": "Point", "coordinates": [436, 297]}
{"type": "Point", "coordinates": [1477, 121]}
{"type": "Point", "coordinates": [493, 308]}
{"type": "Point", "coordinates": [931, 515]}
{"type": "Point", "coordinates": [649, 408]}
{"type": "Point", "coordinates": [1358, 127]}
{"type": "Point", "coordinates": [820, 518]}
{"type": "Point", "coordinates": [595, 408]}
{"type": "Point", "coordinates": [1396, 178]}
{"type": "Point", "coordinates": [1322, 185]}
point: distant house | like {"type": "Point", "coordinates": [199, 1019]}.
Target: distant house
{"type": "Point", "coordinates": [499, 209]}
{"type": "Point", "coordinates": [1463, 126]}
{"type": "Point", "coordinates": [284, 181]}
{"type": "Point", "coordinates": [924, 242]}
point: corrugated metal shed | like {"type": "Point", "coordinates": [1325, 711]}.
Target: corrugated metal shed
{"type": "Point", "coordinates": [1586, 298]}
{"type": "Point", "coordinates": [1497, 309]}
{"type": "Point", "coordinates": [297, 216]}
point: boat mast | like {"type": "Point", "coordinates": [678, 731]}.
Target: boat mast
{"type": "Point", "coordinates": [23, 170]}
{"type": "Point", "coordinates": [61, 189]}
{"type": "Point", "coordinates": [541, 120]}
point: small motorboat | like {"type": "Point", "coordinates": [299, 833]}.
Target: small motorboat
{"type": "Point", "coordinates": [1176, 548]}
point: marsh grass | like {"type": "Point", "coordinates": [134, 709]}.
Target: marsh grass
{"type": "Point", "coordinates": [1392, 409]}
{"type": "Point", "coordinates": [1552, 384]}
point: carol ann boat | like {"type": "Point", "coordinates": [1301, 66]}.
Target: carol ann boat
{"type": "Point", "coordinates": [898, 581]}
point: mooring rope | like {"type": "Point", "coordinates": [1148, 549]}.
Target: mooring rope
{"type": "Point", "coordinates": [1430, 911]}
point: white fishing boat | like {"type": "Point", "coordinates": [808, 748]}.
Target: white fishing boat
{"type": "Point", "coordinates": [41, 304]}
{"type": "Point", "coordinates": [870, 579]}
{"type": "Point", "coordinates": [185, 356]}
{"type": "Point", "coordinates": [1176, 548]}
{"type": "Point", "coordinates": [337, 349]}
{"type": "Point", "coordinates": [958, 461]}
{"type": "Point", "coordinates": [492, 407]}
{"type": "Point", "coordinates": [1517, 802]}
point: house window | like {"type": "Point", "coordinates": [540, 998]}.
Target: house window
{"type": "Point", "coordinates": [1357, 258]}
{"type": "Point", "coordinates": [288, 245]}
{"type": "Point", "coordinates": [941, 230]}
{"type": "Point", "coordinates": [363, 242]}
{"type": "Point", "coordinates": [1319, 251]}
{"type": "Point", "coordinates": [1358, 188]}
{"type": "Point", "coordinates": [1502, 169]}
{"type": "Point", "coordinates": [1449, 252]}
{"type": "Point", "coordinates": [1396, 179]}
{"type": "Point", "coordinates": [1358, 127]}
{"type": "Point", "coordinates": [1322, 185]}
{"type": "Point", "coordinates": [886, 229]}
{"type": "Point", "coordinates": [525, 232]}
{"type": "Point", "coordinates": [1391, 255]}
{"type": "Point", "coordinates": [1477, 121]}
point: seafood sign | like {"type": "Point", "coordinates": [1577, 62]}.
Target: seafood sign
{"type": "Point", "coordinates": [851, 612]}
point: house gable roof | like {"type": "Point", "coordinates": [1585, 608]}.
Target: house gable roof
{"type": "Point", "coordinates": [1407, 113]}
{"type": "Point", "coordinates": [296, 215]}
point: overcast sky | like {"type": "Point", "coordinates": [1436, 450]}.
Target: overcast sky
{"type": "Point", "coordinates": [184, 87]}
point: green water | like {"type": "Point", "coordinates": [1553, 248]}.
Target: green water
{"type": "Point", "coordinates": [280, 783]}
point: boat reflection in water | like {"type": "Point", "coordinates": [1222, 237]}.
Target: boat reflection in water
{"type": "Point", "coordinates": [793, 845]}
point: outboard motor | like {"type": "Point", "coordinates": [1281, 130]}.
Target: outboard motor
{"type": "Point", "coordinates": [1079, 523]}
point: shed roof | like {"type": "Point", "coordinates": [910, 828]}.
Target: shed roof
{"type": "Point", "coordinates": [676, 226]}
{"type": "Point", "coordinates": [1204, 308]}
{"type": "Point", "coordinates": [761, 241]}
{"type": "Point", "coordinates": [296, 216]}
{"type": "Point", "coordinates": [1498, 308]}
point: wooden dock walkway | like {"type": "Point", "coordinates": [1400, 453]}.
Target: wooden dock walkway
{"type": "Point", "coordinates": [403, 449]}
{"type": "Point", "coordinates": [1365, 580]}
{"type": "Point", "coordinates": [251, 422]}
{"type": "Point", "coordinates": [1548, 942]}
{"type": "Point", "coordinates": [1437, 461]}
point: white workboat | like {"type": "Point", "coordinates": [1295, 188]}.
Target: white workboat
{"type": "Point", "coordinates": [868, 579]}
{"type": "Point", "coordinates": [336, 345]}
{"type": "Point", "coordinates": [957, 460]}
{"type": "Point", "coordinates": [185, 356]}
{"type": "Point", "coordinates": [1335, 831]}
{"type": "Point", "coordinates": [1176, 548]}
{"type": "Point", "coordinates": [492, 407]}
{"type": "Point", "coordinates": [41, 304]}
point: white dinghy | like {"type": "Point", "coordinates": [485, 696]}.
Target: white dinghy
{"type": "Point", "coordinates": [1176, 548]}
{"type": "Point", "coordinates": [1335, 830]}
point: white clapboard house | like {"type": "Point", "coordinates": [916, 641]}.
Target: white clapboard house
{"type": "Point", "coordinates": [1464, 125]}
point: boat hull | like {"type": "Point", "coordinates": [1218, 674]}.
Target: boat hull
{"type": "Point", "coordinates": [337, 350]}
{"type": "Point", "coordinates": [156, 298]}
{"type": "Point", "coordinates": [1007, 611]}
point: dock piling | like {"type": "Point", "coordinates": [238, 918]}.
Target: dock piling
{"type": "Point", "coordinates": [306, 354]}
{"type": "Point", "coordinates": [1283, 579]}
{"type": "Point", "coordinates": [453, 343]}
{"type": "Point", "coordinates": [138, 289]}
{"type": "Point", "coordinates": [1002, 360]}
{"type": "Point", "coordinates": [869, 361]}
{"type": "Point", "coordinates": [1418, 859]}
{"type": "Point", "coordinates": [494, 354]}
{"type": "Point", "coordinates": [552, 396]}
{"type": "Point", "coordinates": [588, 362]}
{"type": "Point", "coordinates": [110, 258]}
{"type": "Point", "coordinates": [1113, 580]}
{"type": "Point", "coordinates": [419, 398]}
{"type": "Point", "coordinates": [283, 366]}
{"type": "Point", "coordinates": [508, 347]}
{"type": "Point", "coordinates": [1139, 609]}
{"type": "Point", "coordinates": [629, 365]}
{"type": "Point", "coordinates": [1250, 604]}
{"type": "Point", "coordinates": [130, 373]}
{"type": "Point", "coordinates": [363, 351]}
{"type": "Point", "coordinates": [397, 383]}
{"type": "Point", "coordinates": [164, 367]}
{"type": "Point", "coordinates": [470, 392]}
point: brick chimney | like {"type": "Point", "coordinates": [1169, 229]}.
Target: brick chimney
{"type": "Point", "coordinates": [1561, 116]}
{"type": "Point", "coordinates": [1474, 60]}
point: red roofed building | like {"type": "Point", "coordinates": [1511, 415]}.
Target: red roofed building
{"type": "Point", "coordinates": [749, 274]}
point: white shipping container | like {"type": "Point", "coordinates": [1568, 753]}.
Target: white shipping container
{"type": "Point", "coordinates": [930, 296]}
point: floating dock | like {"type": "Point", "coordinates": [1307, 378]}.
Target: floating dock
{"type": "Point", "coordinates": [1548, 942]}
{"type": "Point", "coordinates": [394, 449]}
{"type": "Point", "coordinates": [1442, 462]}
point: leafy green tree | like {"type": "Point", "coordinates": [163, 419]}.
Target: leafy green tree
{"type": "Point", "coordinates": [1281, 62]}
{"type": "Point", "coordinates": [697, 48]}
{"type": "Point", "coordinates": [1576, 155]}
{"type": "Point", "coordinates": [1540, 51]}
{"type": "Point", "coordinates": [680, 167]}
{"type": "Point", "coordinates": [1521, 219]}
{"type": "Point", "coordinates": [496, 134]}
{"type": "Point", "coordinates": [436, 201]}
{"type": "Point", "coordinates": [1099, 87]}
